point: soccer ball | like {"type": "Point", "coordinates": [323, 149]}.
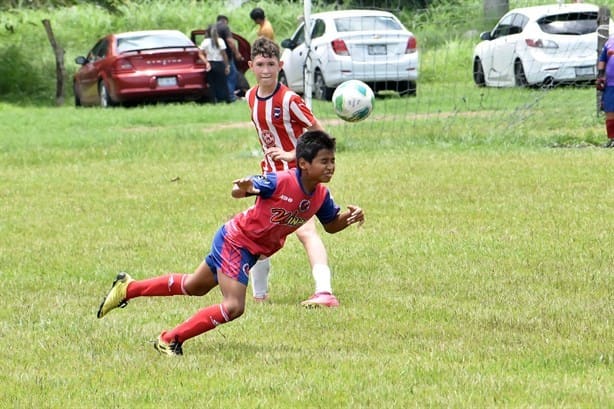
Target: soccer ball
{"type": "Point", "coordinates": [353, 101]}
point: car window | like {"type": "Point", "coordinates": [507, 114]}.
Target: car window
{"type": "Point", "coordinates": [366, 23]}
{"type": "Point", "coordinates": [503, 28]}
{"type": "Point", "coordinates": [518, 23]}
{"type": "Point", "coordinates": [299, 37]}
{"type": "Point", "coordinates": [318, 29]}
{"type": "Point", "coordinates": [151, 41]}
{"type": "Point", "coordinates": [99, 50]}
{"type": "Point", "coordinates": [569, 23]}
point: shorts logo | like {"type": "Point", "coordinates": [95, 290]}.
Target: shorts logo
{"type": "Point", "coordinates": [276, 112]}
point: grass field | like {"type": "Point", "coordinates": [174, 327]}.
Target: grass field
{"type": "Point", "coordinates": [483, 276]}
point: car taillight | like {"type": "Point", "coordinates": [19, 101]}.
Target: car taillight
{"type": "Point", "coordinates": [412, 45]}
{"type": "Point", "coordinates": [538, 43]}
{"type": "Point", "coordinates": [122, 65]}
{"type": "Point", "coordinates": [339, 47]}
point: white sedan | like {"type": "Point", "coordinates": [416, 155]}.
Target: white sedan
{"type": "Point", "coordinates": [366, 45]}
{"type": "Point", "coordinates": [539, 46]}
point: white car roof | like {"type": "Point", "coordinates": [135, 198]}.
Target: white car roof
{"type": "Point", "coordinates": [145, 32]}
{"type": "Point", "coordinates": [539, 11]}
{"type": "Point", "coordinates": [350, 13]}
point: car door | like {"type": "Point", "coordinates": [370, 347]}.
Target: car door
{"type": "Point", "coordinates": [294, 60]}
{"type": "Point", "coordinates": [504, 48]}
{"type": "Point", "coordinates": [88, 77]}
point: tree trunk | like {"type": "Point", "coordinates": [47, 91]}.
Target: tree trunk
{"type": "Point", "coordinates": [59, 64]}
{"type": "Point", "coordinates": [494, 10]}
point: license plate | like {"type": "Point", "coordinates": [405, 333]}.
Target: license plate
{"type": "Point", "coordinates": [167, 82]}
{"type": "Point", "coordinates": [378, 49]}
{"type": "Point", "coordinates": [585, 71]}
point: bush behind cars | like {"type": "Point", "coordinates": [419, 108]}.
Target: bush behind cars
{"type": "Point", "coordinates": [27, 75]}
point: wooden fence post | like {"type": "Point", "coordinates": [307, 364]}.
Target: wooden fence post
{"type": "Point", "coordinates": [59, 64]}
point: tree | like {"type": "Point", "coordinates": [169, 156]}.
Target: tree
{"type": "Point", "coordinates": [494, 10]}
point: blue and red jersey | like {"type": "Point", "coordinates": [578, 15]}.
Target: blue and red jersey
{"type": "Point", "coordinates": [282, 206]}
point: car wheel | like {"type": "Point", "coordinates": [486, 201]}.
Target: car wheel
{"type": "Point", "coordinates": [548, 83]}
{"type": "Point", "coordinates": [478, 73]}
{"type": "Point", "coordinates": [407, 88]}
{"type": "Point", "coordinates": [320, 90]}
{"type": "Point", "coordinates": [105, 98]}
{"type": "Point", "coordinates": [282, 78]}
{"type": "Point", "coordinates": [77, 98]}
{"type": "Point", "coordinates": [519, 76]}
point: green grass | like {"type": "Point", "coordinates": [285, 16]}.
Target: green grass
{"type": "Point", "coordinates": [482, 278]}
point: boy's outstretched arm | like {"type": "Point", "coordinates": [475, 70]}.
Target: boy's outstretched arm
{"type": "Point", "coordinates": [243, 187]}
{"type": "Point", "coordinates": [354, 214]}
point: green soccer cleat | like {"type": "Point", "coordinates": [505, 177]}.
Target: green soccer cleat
{"type": "Point", "coordinates": [116, 298]}
{"type": "Point", "coordinates": [172, 349]}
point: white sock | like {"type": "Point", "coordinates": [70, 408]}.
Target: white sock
{"type": "Point", "coordinates": [321, 275]}
{"type": "Point", "coordinates": [260, 277]}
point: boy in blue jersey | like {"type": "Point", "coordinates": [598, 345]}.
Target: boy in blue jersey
{"type": "Point", "coordinates": [286, 200]}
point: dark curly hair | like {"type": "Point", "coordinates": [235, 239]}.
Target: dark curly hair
{"type": "Point", "coordinates": [266, 48]}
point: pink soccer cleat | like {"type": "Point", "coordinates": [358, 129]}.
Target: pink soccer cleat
{"type": "Point", "coordinates": [261, 298]}
{"type": "Point", "coordinates": [323, 299]}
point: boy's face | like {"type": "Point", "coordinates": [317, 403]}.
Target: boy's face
{"type": "Point", "coordinates": [266, 70]}
{"type": "Point", "coordinates": [322, 167]}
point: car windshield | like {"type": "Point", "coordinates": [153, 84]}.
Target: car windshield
{"type": "Point", "coordinates": [152, 40]}
{"type": "Point", "coordinates": [366, 23]}
{"type": "Point", "coordinates": [569, 23]}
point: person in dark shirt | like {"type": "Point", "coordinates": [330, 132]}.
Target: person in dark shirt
{"type": "Point", "coordinates": [225, 33]}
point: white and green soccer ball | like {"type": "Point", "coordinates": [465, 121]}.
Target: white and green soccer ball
{"type": "Point", "coordinates": [353, 101]}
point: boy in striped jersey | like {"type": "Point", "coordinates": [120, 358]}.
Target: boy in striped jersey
{"type": "Point", "coordinates": [281, 117]}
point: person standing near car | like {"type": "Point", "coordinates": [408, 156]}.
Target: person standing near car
{"type": "Point", "coordinates": [605, 83]}
{"type": "Point", "coordinates": [265, 28]}
{"type": "Point", "coordinates": [214, 48]}
{"type": "Point", "coordinates": [225, 33]}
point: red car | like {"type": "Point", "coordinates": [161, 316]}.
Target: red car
{"type": "Point", "coordinates": [140, 66]}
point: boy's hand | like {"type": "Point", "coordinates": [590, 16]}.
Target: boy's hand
{"type": "Point", "coordinates": [600, 83]}
{"type": "Point", "coordinates": [356, 215]}
{"type": "Point", "coordinates": [243, 187]}
{"type": "Point", "coordinates": [276, 153]}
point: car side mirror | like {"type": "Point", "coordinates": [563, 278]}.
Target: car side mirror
{"type": "Point", "coordinates": [81, 60]}
{"type": "Point", "coordinates": [288, 43]}
{"type": "Point", "coordinates": [485, 36]}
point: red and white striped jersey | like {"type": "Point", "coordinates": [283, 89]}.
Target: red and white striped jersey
{"type": "Point", "coordinates": [280, 119]}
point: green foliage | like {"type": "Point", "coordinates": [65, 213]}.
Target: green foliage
{"type": "Point", "coordinates": [446, 32]}
{"type": "Point", "coordinates": [19, 75]}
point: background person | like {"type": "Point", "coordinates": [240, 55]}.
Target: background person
{"type": "Point", "coordinates": [225, 33]}
{"type": "Point", "coordinates": [214, 48]}
{"type": "Point", "coordinates": [605, 83]}
{"type": "Point", "coordinates": [265, 29]}
{"type": "Point", "coordinates": [281, 117]}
